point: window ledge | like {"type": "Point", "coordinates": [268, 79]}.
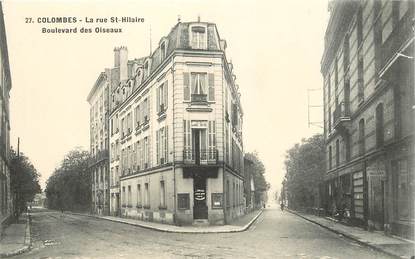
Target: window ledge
{"type": "Point", "coordinates": [162, 207]}
{"type": "Point", "coordinates": [146, 206]}
{"type": "Point", "coordinates": [138, 206]}
{"type": "Point", "coordinates": [198, 109]}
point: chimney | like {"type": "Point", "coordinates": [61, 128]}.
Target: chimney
{"type": "Point", "coordinates": [120, 61]}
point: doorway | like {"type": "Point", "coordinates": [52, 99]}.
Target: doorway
{"type": "Point", "coordinates": [199, 145]}
{"type": "Point", "coordinates": [200, 209]}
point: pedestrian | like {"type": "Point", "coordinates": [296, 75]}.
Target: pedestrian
{"type": "Point", "coordinates": [282, 206]}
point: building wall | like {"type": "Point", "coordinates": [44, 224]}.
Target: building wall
{"type": "Point", "coordinates": [6, 206]}
{"type": "Point", "coordinates": [99, 145]}
{"type": "Point", "coordinates": [364, 179]}
{"type": "Point", "coordinates": [169, 153]}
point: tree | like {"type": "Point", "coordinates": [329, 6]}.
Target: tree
{"type": "Point", "coordinates": [258, 171]}
{"type": "Point", "coordinates": [24, 181]}
{"type": "Point", "coordinates": [305, 165]}
{"type": "Point", "coordinates": [69, 187]}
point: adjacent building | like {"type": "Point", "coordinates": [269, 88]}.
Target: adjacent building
{"type": "Point", "coordinates": [98, 99]}
{"type": "Point", "coordinates": [5, 86]}
{"type": "Point", "coordinates": [368, 70]}
{"type": "Point", "coordinates": [175, 131]}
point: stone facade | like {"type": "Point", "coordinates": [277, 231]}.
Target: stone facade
{"type": "Point", "coordinates": [6, 205]}
{"type": "Point", "coordinates": [367, 67]}
{"type": "Point", "coordinates": [175, 131]}
{"type": "Point", "coordinates": [98, 164]}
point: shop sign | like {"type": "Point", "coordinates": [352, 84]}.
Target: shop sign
{"type": "Point", "coordinates": [200, 195]}
{"type": "Point", "coordinates": [376, 169]}
{"type": "Point", "coordinates": [199, 124]}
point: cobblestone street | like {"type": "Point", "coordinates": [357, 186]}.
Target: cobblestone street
{"type": "Point", "coordinates": [275, 234]}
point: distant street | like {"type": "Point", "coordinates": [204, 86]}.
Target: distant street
{"type": "Point", "coordinates": [276, 234]}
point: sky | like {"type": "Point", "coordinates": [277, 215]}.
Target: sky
{"type": "Point", "coordinates": [275, 46]}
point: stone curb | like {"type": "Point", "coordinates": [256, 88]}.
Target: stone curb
{"type": "Point", "coordinates": [202, 231]}
{"type": "Point", "coordinates": [27, 242]}
{"type": "Point", "coordinates": [347, 235]}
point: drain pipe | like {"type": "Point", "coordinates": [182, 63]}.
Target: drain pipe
{"type": "Point", "coordinates": [174, 153]}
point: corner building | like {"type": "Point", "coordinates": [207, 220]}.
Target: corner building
{"type": "Point", "coordinates": [176, 150]}
{"type": "Point", "coordinates": [368, 68]}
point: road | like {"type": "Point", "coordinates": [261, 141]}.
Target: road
{"type": "Point", "coordinates": [275, 234]}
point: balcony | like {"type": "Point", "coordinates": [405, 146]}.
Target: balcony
{"type": "Point", "coordinates": [341, 116]}
{"type": "Point", "coordinates": [200, 157]}
{"type": "Point", "coordinates": [401, 33]}
{"type": "Point", "coordinates": [98, 157]}
{"type": "Point", "coordinates": [199, 98]}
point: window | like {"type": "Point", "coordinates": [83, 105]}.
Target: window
{"type": "Point", "coordinates": [198, 37]}
{"type": "Point", "coordinates": [361, 137]}
{"type": "Point", "coordinates": [330, 157]}
{"type": "Point", "coordinates": [216, 200]}
{"type": "Point", "coordinates": [123, 196]}
{"type": "Point", "coordinates": [162, 195]}
{"type": "Point", "coordinates": [199, 91]}
{"type": "Point", "coordinates": [346, 53]}
{"type": "Point", "coordinates": [145, 111]}
{"type": "Point", "coordinates": [162, 98]}
{"type": "Point", "coordinates": [129, 196]}
{"type": "Point", "coordinates": [147, 68]}
{"type": "Point", "coordinates": [122, 127]}
{"type": "Point", "coordinates": [212, 140]}
{"type": "Point", "coordinates": [146, 196]}
{"type": "Point", "coordinates": [379, 125]}
{"type": "Point", "coordinates": [337, 153]}
{"type": "Point", "coordinates": [161, 145]}
{"type": "Point", "coordinates": [329, 120]}
{"type": "Point", "coordinates": [360, 83]}
{"type": "Point", "coordinates": [146, 153]}
{"type": "Point", "coordinates": [183, 201]}
{"type": "Point", "coordinates": [336, 76]}
{"type": "Point", "coordinates": [139, 201]}
{"type": "Point", "coordinates": [359, 27]}
{"type": "Point", "coordinates": [137, 114]}
{"type": "Point", "coordinates": [128, 124]}
{"type": "Point", "coordinates": [163, 51]}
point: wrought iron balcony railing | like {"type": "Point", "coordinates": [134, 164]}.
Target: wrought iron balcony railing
{"type": "Point", "coordinates": [200, 157]}
{"type": "Point", "coordinates": [98, 157]}
{"type": "Point", "coordinates": [341, 113]}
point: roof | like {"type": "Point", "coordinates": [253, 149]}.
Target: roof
{"type": "Point", "coordinates": [100, 78]}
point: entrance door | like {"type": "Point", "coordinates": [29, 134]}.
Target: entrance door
{"type": "Point", "coordinates": [200, 209]}
{"type": "Point", "coordinates": [117, 204]}
{"type": "Point", "coordinates": [376, 206]}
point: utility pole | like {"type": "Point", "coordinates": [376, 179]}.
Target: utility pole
{"type": "Point", "coordinates": [310, 106]}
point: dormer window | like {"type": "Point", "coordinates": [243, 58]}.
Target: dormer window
{"type": "Point", "coordinates": [198, 37]}
{"type": "Point", "coordinates": [163, 51]}
{"type": "Point", "coordinates": [147, 68]}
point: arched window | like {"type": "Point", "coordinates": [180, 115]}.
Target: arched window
{"type": "Point", "coordinates": [379, 125]}
{"type": "Point", "coordinates": [337, 153]}
{"type": "Point", "coordinates": [330, 157]}
{"type": "Point", "coordinates": [361, 137]}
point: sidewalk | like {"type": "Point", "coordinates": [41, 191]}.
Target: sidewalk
{"type": "Point", "coordinates": [16, 238]}
{"type": "Point", "coordinates": [377, 240]}
{"type": "Point", "coordinates": [238, 225]}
